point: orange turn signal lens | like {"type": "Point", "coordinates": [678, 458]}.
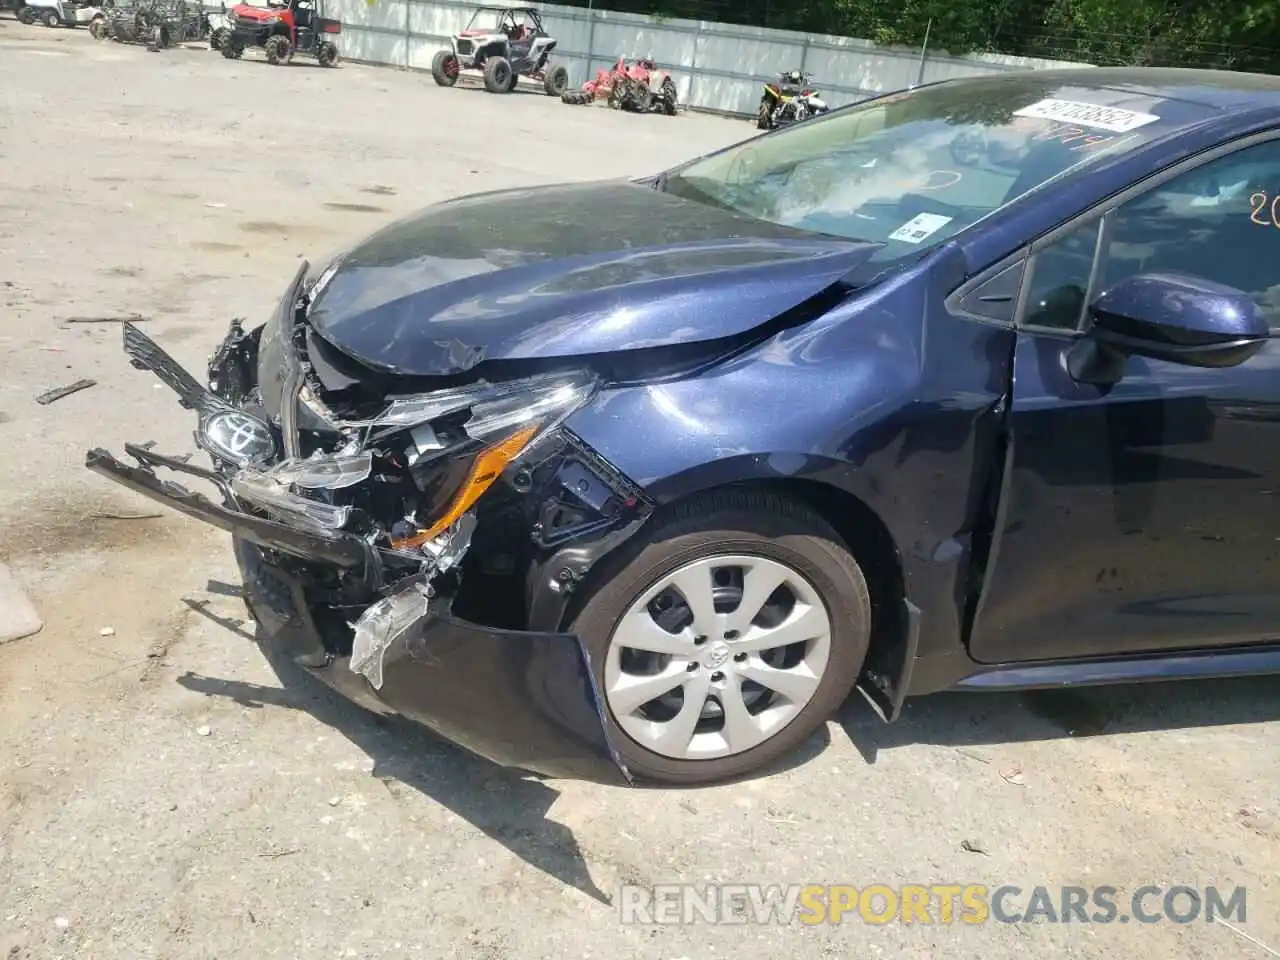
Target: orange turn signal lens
{"type": "Point", "coordinates": [488, 466]}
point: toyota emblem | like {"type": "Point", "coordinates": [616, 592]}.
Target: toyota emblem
{"type": "Point", "coordinates": [238, 437]}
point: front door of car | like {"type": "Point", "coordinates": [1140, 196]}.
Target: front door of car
{"type": "Point", "coordinates": [1143, 516]}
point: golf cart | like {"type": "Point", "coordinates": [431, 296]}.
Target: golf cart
{"type": "Point", "coordinates": [503, 44]}
{"type": "Point", "coordinates": [52, 13]}
{"type": "Point", "coordinates": [283, 29]}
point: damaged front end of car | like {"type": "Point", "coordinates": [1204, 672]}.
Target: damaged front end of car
{"type": "Point", "coordinates": [417, 552]}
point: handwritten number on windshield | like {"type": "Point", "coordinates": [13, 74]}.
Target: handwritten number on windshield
{"type": "Point", "coordinates": [1076, 138]}
{"type": "Point", "coordinates": [1266, 209]}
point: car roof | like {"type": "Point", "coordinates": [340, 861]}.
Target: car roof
{"type": "Point", "coordinates": [1214, 89]}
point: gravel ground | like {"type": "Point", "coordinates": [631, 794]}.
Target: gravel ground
{"type": "Point", "coordinates": [165, 791]}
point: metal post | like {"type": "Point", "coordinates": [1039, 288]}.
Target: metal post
{"type": "Point", "coordinates": [924, 52]}
{"type": "Point", "coordinates": [804, 54]}
{"type": "Point", "coordinates": [591, 39]}
{"type": "Point", "coordinates": [408, 29]}
{"type": "Point", "coordinates": [693, 63]}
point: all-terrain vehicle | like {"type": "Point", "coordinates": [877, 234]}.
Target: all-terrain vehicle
{"type": "Point", "coordinates": [637, 87]}
{"type": "Point", "coordinates": [283, 29]}
{"type": "Point", "coordinates": [64, 13]}
{"type": "Point", "coordinates": [789, 100]}
{"type": "Point", "coordinates": [503, 44]}
{"type": "Point", "coordinates": [156, 23]}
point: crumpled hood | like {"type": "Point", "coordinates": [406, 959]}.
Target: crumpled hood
{"type": "Point", "coordinates": [564, 271]}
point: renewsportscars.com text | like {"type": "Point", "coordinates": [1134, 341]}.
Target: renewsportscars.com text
{"type": "Point", "coordinates": [970, 903]}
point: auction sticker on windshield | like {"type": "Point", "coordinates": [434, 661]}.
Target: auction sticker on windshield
{"type": "Point", "coordinates": [920, 227]}
{"type": "Point", "coordinates": [1087, 115]}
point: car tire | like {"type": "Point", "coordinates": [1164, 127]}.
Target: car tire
{"type": "Point", "coordinates": [26, 16]}
{"type": "Point", "coordinates": [444, 68]}
{"type": "Point", "coordinates": [231, 50]}
{"type": "Point", "coordinates": [497, 75]}
{"type": "Point", "coordinates": [218, 38]}
{"type": "Point", "coordinates": [556, 81]}
{"type": "Point", "coordinates": [773, 534]}
{"type": "Point", "coordinates": [327, 54]}
{"type": "Point", "coordinates": [98, 28]}
{"type": "Point", "coordinates": [50, 19]}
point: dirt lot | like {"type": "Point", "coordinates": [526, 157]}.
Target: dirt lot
{"type": "Point", "coordinates": [164, 792]}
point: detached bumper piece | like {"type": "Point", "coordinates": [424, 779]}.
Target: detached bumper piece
{"type": "Point", "coordinates": [334, 549]}
{"type": "Point", "coordinates": [518, 699]}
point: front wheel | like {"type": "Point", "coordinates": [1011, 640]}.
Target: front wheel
{"type": "Point", "coordinates": [445, 68]}
{"type": "Point", "coordinates": [50, 19]}
{"type": "Point", "coordinates": [498, 75]}
{"type": "Point", "coordinates": [218, 39]}
{"type": "Point", "coordinates": [98, 28]}
{"type": "Point", "coordinates": [726, 637]}
{"type": "Point", "coordinates": [327, 54]}
{"type": "Point", "coordinates": [231, 50]}
{"type": "Point", "coordinates": [26, 16]}
{"type": "Point", "coordinates": [556, 81]}
{"type": "Point", "coordinates": [764, 115]}
{"type": "Point", "coordinates": [670, 98]}
{"type": "Point", "coordinates": [278, 49]}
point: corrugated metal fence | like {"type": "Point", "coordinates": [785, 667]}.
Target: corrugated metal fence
{"type": "Point", "coordinates": [719, 67]}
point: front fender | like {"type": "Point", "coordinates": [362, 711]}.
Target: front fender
{"type": "Point", "coordinates": [853, 400]}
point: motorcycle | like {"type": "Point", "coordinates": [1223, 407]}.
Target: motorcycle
{"type": "Point", "coordinates": [789, 100]}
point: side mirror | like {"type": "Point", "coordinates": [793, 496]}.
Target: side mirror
{"type": "Point", "coordinates": [1171, 317]}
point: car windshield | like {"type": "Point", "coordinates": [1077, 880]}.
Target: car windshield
{"type": "Point", "coordinates": [912, 169]}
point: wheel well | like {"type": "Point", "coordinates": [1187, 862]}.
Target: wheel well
{"type": "Point", "coordinates": [860, 529]}
{"type": "Point", "coordinates": [872, 546]}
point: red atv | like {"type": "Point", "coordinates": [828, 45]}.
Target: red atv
{"type": "Point", "coordinates": [638, 87]}
{"type": "Point", "coordinates": [283, 29]}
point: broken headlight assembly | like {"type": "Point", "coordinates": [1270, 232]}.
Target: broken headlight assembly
{"type": "Point", "coordinates": [455, 443]}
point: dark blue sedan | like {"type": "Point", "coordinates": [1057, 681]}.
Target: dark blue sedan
{"type": "Point", "coordinates": [973, 385]}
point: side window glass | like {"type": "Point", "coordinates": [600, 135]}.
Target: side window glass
{"type": "Point", "coordinates": [1218, 222]}
{"type": "Point", "coordinates": [1059, 287]}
